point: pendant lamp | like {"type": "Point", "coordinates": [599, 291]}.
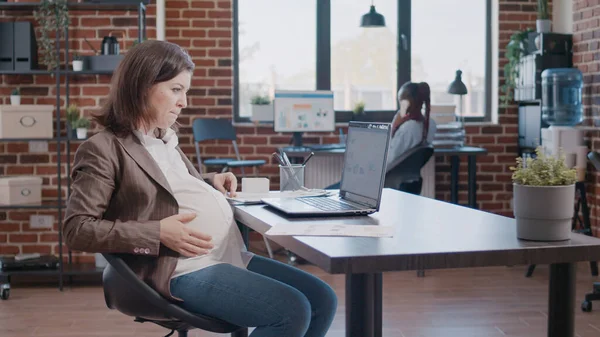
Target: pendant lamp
{"type": "Point", "coordinates": [372, 19]}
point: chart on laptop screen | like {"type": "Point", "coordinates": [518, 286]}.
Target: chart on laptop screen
{"type": "Point", "coordinates": [363, 168]}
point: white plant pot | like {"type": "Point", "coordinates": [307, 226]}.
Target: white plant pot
{"type": "Point", "coordinates": [543, 26]}
{"type": "Point", "coordinates": [262, 112]}
{"type": "Point", "coordinates": [82, 133]}
{"type": "Point", "coordinates": [15, 100]}
{"type": "Point", "coordinates": [543, 213]}
{"type": "Point", "coordinates": [77, 65]}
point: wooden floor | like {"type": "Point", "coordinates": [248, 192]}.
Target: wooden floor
{"type": "Point", "coordinates": [484, 302]}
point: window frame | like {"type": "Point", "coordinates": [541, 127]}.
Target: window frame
{"type": "Point", "coordinates": [323, 61]}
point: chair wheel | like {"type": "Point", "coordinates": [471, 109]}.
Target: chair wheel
{"type": "Point", "coordinates": [5, 294]}
{"type": "Point", "coordinates": [586, 306]}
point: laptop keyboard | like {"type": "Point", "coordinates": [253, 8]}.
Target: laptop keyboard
{"type": "Point", "coordinates": [326, 204]}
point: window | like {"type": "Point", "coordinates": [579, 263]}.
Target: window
{"type": "Point", "coordinates": [276, 48]}
{"type": "Point", "coordinates": [319, 44]}
{"type": "Point", "coordinates": [363, 60]}
{"type": "Point", "coordinates": [448, 35]}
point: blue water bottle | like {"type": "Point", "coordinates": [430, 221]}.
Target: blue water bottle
{"type": "Point", "coordinates": [561, 96]}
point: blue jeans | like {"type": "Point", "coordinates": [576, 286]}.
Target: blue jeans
{"type": "Point", "coordinates": [278, 299]}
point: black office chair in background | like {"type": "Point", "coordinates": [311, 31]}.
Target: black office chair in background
{"type": "Point", "coordinates": [404, 173]}
{"type": "Point", "coordinates": [126, 293]}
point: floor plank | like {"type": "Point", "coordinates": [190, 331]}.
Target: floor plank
{"type": "Point", "coordinates": [481, 302]}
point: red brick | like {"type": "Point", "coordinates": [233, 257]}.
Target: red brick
{"type": "Point", "coordinates": [21, 238]}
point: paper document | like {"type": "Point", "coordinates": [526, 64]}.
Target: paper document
{"type": "Point", "coordinates": [255, 198]}
{"type": "Point", "coordinates": [331, 230]}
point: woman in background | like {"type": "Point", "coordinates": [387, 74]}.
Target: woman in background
{"type": "Point", "coordinates": [410, 128]}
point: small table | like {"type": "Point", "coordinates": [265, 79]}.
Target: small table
{"type": "Point", "coordinates": [440, 235]}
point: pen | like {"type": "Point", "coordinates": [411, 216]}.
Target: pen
{"type": "Point", "coordinates": [279, 159]}
{"type": "Point", "coordinates": [307, 158]}
{"type": "Point", "coordinates": [285, 158]}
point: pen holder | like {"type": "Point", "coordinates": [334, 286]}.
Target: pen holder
{"type": "Point", "coordinates": [291, 177]}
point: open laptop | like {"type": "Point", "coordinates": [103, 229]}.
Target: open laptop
{"type": "Point", "coordinates": [362, 178]}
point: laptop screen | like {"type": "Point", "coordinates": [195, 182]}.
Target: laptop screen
{"type": "Point", "coordinates": [364, 162]}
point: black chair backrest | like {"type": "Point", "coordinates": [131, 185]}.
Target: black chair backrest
{"type": "Point", "coordinates": [125, 292]}
{"type": "Point", "coordinates": [209, 129]}
{"type": "Point", "coordinates": [408, 167]}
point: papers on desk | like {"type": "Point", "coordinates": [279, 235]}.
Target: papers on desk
{"type": "Point", "coordinates": [255, 198]}
{"type": "Point", "coordinates": [307, 229]}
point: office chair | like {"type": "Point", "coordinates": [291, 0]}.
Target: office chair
{"type": "Point", "coordinates": [222, 129]}
{"type": "Point", "coordinates": [128, 294]}
{"type": "Point", "coordinates": [219, 129]}
{"type": "Point", "coordinates": [404, 173]}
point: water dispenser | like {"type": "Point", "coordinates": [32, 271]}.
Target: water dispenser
{"type": "Point", "coordinates": [561, 96]}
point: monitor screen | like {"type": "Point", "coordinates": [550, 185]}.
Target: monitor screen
{"type": "Point", "coordinates": [364, 162]}
{"type": "Point", "coordinates": [303, 111]}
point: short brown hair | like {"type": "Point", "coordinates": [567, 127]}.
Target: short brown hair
{"type": "Point", "coordinates": [144, 65]}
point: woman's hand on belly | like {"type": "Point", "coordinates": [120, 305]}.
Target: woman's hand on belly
{"type": "Point", "coordinates": [183, 239]}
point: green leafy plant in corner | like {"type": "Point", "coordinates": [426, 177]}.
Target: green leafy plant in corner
{"type": "Point", "coordinates": [260, 100]}
{"type": "Point", "coordinates": [359, 108]}
{"type": "Point", "coordinates": [16, 92]}
{"type": "Point", "coordinates": [53, 19]}
{"type": "Point", "coordinates": [543, 171]}
{"type": "Point", "coordinates": [542, 9]}
{"type": "Point", "coordinates": [515, 50]}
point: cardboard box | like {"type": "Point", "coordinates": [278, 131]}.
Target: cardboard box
{"type": "Point", "coordinates": [26, 121]}
{"type": "Point", "coordinates": [20, 190]}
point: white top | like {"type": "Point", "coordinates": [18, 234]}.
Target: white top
{"type": "Point", "coordinates": [214, 213]}
{"type": "Point", "coordinates": [409, 135]}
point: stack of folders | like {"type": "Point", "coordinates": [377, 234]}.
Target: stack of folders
{"type": "Point", "coordinates": [450, 131]}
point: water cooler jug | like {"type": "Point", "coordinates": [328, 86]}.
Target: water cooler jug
{"type": "Point", "coordinates": [561, 96]}
{"type": "Point", "coordinates": [562, 109]}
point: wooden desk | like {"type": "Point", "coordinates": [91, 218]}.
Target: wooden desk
{"type": "Point", "coordinates": [454, 153]}
{"type": "Point", "coordinates": [430, 234]}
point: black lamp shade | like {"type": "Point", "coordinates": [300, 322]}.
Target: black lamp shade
{"type": "Point", "coordinates": [372, 19]}
{"type": "Point", "coordinates": [457, 87]}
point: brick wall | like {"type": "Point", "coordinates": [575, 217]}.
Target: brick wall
{"type": "Point", "coordinates": [586, 56]}
{"type": "Point", "coordinates": [204, 28]}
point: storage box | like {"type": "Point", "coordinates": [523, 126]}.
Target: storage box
{"type": "Point", "coordinates": [20, 190]}
{"type": "Point", "coordinates": [26, 121]}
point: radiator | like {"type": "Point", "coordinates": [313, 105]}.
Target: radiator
{"type": "Point", "coordinates": [325, 170]}
{"type": "Point", "coordinates": [428, 175]}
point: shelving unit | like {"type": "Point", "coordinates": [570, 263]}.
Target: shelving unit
{"type": "Point", "coordinates": [59, 204]}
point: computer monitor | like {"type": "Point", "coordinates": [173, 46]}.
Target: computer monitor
{"type": "Point", "coordinates": [303, 111]}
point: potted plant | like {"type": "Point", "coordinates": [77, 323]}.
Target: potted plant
{"type": "Point", "coordinates": [515, 50]}
{"type": "Point", "coordinates": [82, 125]}
{"type": "Point", "coordinates": [544, 195]}
{"type": "Point", "coordinates": [53, 19]}
{"type": "Point", "coordinates": [359, 110]}
{"type": "Point", "coordinates": [543, 23]}
{"type": "Point", "coordinates": [77, 62]}
{"type": "Point", "coordinates": [262, 109]}
{"type": "Point", "coordinates": [73, 115]}
{"type": "Point", "coordinates": [15, 97]}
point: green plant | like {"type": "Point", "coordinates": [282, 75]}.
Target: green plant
{"type": "Point", "coordinates": [82, 122]}
{"type": "Point", "coordinates": [53, 19]}
{"type": "Point", "coordinates": [77, 57]}
{"type": "Point", "coordinates": [515, 50]}
{"type": "Point", "coordinates": [543, 171]}
{"type": "Point", "coordinates": [359, 108]}
{"type": "Point", "coordinates": [16, 91]}
{"type": "Point", "coordinates": [72, 114]}
{"type": "Point", "coordinates": [260, 100]}
{"type": "Point", "coordinates": [542, 9]}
